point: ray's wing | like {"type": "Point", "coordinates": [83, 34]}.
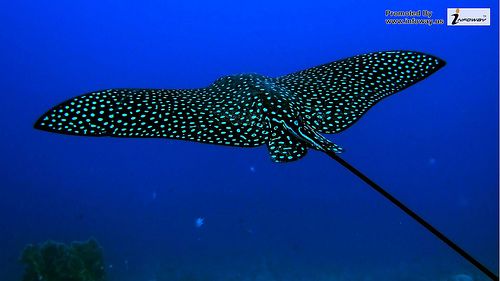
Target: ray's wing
{"type": "Point", "coordinates": [335, 95]}
{"type": "Point", "coordinates": [227, 113]}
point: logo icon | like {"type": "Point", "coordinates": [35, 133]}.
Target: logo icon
{"type": "Point", "coordinates": [468, 16]}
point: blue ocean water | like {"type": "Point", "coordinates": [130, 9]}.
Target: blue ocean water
{"type": "Point", "coordinates": [434, 145]}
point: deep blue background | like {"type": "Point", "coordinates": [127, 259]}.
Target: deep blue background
{"type": "Point", "coordinates": [434, 146]}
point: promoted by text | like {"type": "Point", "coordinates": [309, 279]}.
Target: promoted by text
{"type": "Point", "coordinates": [413, 17]}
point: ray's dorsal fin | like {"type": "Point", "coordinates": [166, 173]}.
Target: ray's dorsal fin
{"type": "Point", "coordinates": [318, 141]}
{"type": "Point", "coordinates": [309, 136]}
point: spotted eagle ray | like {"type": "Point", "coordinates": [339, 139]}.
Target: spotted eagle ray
{"type": "Point", "coordinates": [287, 113]}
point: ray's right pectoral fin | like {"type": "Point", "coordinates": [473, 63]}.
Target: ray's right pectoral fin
{"type": "Point", "coordinates": [284, 147]}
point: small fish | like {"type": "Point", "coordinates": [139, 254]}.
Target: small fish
{"type": "Point", "coordinates": [199, 222]}
{"type": "Point", "coordinates": [286, 113]}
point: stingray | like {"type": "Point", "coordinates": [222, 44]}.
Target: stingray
{"type": "Point", "coordinates": [288, 114]}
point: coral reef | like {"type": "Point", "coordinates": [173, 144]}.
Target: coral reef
{"type": "Point", "coordinates": [53, 261]}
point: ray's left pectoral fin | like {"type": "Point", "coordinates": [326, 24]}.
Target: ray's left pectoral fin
{"type": "Point", "coordinates": [285, 147]}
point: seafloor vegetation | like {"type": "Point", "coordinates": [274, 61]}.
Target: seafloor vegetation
{"type": "Point", "coordinates": [53, 261]}
{"type": "Point", "coordinates": [83, 261]}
